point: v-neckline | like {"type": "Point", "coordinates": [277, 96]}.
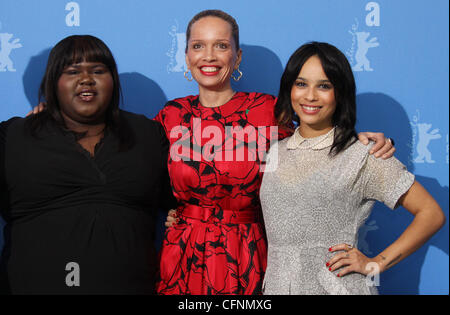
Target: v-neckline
{"type": "Point", "coordinates": [97, 148]}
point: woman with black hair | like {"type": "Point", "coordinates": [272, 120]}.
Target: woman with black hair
{"type": "Point", "coordinates": [325, 184]}
{"type": "Point", "coordinates": [80, 183]}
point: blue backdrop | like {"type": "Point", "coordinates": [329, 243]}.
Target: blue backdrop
{"type": "Point", "coordinates": [398, 49]}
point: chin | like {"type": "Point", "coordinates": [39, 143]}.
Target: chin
{"type": "Point", "coordinates": [213, 83]}
{"type": "Point", "coordinates": [310, 122]}
{"type": "Point", "coordinates": [91, 118]}
{"type": "Point", "coordinates": [208, 83]}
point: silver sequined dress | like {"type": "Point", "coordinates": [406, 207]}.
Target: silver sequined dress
{"type": "Point", "coordinates": [311, 202]}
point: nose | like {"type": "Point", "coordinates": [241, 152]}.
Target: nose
{"type": "Point", "coordinates": [209, 54]}
{"type": "Point", "coordinates": [86, 78]}
{"type": "Point", "coordinates": [311, 94]}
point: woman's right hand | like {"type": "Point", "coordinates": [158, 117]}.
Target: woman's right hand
{"type": "Point", "coordinates": [171, 218]}
{"type": "Point", "coordinates": [37, 109]}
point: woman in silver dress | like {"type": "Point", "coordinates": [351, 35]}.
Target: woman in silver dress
{"type": "Point", "coordinates": [325, 184]}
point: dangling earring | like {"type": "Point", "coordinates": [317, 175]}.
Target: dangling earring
{"type": "Point", "coordinates": [186, 75]}
{"type": "Point", "coordinates": [239, 77]}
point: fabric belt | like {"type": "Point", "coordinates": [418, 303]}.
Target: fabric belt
{"type": "Point", "coordinates": [212, 214]}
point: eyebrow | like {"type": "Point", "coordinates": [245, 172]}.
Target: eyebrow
{"type": "Point", "coordinates": [319, 81]}
{"type": "Point", "coordinates": [94, 65]}
{"type": "Point", "coordinates": [215, 40]}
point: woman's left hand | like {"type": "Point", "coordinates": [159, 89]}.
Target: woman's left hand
{"type": "Point", "coordinates": [383, 146]}
{"type": "Point", "coordinates": [350, 260]}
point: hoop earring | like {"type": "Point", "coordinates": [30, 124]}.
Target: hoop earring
{"type": "Point", "coordinates": [240, 75]}
{"type": "Point", "coordinates": [186, 76]}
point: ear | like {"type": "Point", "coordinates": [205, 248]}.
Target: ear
{"type": "Point", "coordinates": [238, 59]}
{"type": "Point", "coordinates": [187, 62]}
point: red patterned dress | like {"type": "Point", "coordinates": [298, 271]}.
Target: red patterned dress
{"type": "Point", "coordinates": [219, 245]}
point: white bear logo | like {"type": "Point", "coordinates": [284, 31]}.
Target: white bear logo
{"type": "Point", "coordinates": [363, 47]}
{"type": "Point", "coordinates": [179, 56]}
{"type": "Point", "coordinates": [176, 52]}
{"type": "Point", "coordinates": [424, 140]}
{"type": "Point", "coordinates": [5, 49]}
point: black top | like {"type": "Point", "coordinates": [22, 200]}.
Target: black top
{"type": "Point", "coordinates": [62, 206]}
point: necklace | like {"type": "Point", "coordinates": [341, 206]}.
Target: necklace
{"type": "Point", "coordinates": [313, 144]}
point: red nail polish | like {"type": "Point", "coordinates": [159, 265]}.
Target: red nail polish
{"type": "Point", "coordinates": [338, 275]}
{"type": "Point", "coordinates": [328, 264]}
{"type": "Point", "coordinates": [329, 249]}
{"type": "Point", "coordinates": [329, 268]}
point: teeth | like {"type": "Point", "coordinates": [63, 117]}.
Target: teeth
{"type": "Point", "coordinates": [210, 69]}
{"type": "Point", "coordinates": [87, 94]}
{"type": "Point", "coordinates": [311, 108]}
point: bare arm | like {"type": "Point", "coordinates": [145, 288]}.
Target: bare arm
{"type": "Point", "coordinates": [428, 219]}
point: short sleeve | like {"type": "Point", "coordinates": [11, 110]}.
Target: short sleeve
{"type": "Point", "coordinates": [386, 180]}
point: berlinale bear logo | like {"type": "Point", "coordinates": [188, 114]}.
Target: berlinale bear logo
{"type": "Point", "coordinates": [425, 136]}
{"type": "Point", "coordinates": [361, 40]}
{"type": "Point", "coordinates": [421, 139]}
{"type": "Point", "coordinates": [363, 47]}
{"type": "Point", "coordinates": [6, 46]}
{"type": "Point", "coordinates": [176, 53]}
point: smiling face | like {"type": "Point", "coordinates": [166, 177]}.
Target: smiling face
{"type": "Point", "coordinates": [211, 54]}
{"type": "Point", "coordinates": [313, 99]}
{"type": "Point", "coordinates": [84, 92]}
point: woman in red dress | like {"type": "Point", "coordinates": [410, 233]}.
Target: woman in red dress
{"type": "Point", "coordinates": [218, 140]}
